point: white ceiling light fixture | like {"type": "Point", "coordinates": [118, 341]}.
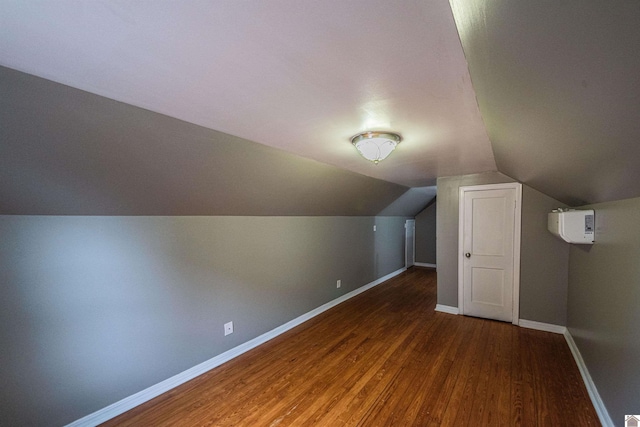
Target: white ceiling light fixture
{"type": "Point", "coordinates": [376, 146]}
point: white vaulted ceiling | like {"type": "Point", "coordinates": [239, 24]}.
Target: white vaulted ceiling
{"type": "Point", "coordinates": [557, 86]}
{"type": "Point", "coordinates": [300, 76]}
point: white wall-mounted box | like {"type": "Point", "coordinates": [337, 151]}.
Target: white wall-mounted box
{"type": "Point", "coordinates": [573, 226]}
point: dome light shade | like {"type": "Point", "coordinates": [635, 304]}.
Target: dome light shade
{"type": "Point", "coordinates": [376, 146]}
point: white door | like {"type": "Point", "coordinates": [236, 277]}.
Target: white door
{"type": "Point", "coordinates": [489, 246]}
{"type": "Point", "coordinates": [410, 243]}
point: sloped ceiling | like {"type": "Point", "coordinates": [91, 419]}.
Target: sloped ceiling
{"type": "Point", "coordinates": [64, 151]}
{"type": "Point", "coordinates": [558, 84]}
{"type": "Point", "coordinates": [235, 83]}
{"type": "Point", "coordinates": [303, 76]}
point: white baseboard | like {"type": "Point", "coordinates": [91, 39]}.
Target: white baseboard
{"type": "Point", "coordinates": [149, 393]}
{"type": "Point", "coordinates": [447, 309]}
{"type": "Point", "coordinates": [598, 404]}
{"type": "Point", "coordinates": [547, 327]}
{"type": "Point", "coordinates": [424, 264]}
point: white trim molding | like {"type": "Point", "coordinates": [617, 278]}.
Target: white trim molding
{"type": "Point", "coordinates": [149, 393]}
{"type": "Point", "coordinates": [547, 327]}
{"type": "Point", "coordinates": [598, 404]}
{"type": "Point", "coordinates": [447, 309]}
{"type": "Point", "coordinates": [424, 264]}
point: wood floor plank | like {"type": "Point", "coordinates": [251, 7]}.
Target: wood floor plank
{"type": "Point", "coordinates": [436, 400]}
{"type": "Point", "coordinates": [529, 379]}
{"type": "Point", "coordinates": [499, 399]}
{"type": "Point", "coordinates": [385, 358]}
{"type": "Point", "coordinates": [459, 409]}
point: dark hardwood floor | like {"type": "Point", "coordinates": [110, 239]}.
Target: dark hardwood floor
{"type": "Point", "coordinates": [386, 358]}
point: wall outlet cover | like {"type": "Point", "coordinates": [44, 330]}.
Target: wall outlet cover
{"type": "Point", "coordinates": [228, 328]}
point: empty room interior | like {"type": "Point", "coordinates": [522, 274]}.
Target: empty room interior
{"type": "Point", "coordinates": [419, 212]}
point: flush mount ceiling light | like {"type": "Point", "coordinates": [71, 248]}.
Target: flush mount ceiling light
{"type": "Point", "coordinates": [376, 146]}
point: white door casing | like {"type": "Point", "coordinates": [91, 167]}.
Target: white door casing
{"type": "Point", "coordinates": [410, 243]}
{"type": "Point", "coordinates": [489, 251]}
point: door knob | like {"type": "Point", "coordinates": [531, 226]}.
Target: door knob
{"type": "Point", "coordinates": [468, 255]}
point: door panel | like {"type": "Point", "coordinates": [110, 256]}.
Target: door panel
{"type": "Point", "coordinates": [487, 222]}
{"type": "Point", "coordinates": [410, 242]}
{"type": "Point", "coordinates": [488, 242]}
{"type": "Point", "coordinates": [487, 286]}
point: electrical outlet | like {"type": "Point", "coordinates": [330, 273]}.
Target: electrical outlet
{"type": "Point", "coordinates": [374, 228]}
{"type": "Point", "coordinates": [338, 283]}
{"type": "Point", "coordinates": [228, 328]}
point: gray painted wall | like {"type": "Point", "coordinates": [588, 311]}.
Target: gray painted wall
{"type": "Point", "coordinates": [604, 305]}
{"type": "Point", "coordinates": [544, 260]}
{"type": "Point", "coordinates": [94, 308]}
{"type": "Point", "coordinates": [544, 265]}
{"type": "Point", "coordinates": [426, 235]}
